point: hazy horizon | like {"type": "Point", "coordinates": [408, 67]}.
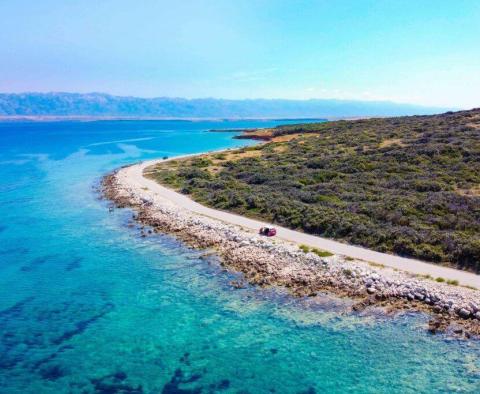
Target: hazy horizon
{"type": "Point", "coordinates": [420, 53]}
{"type": "Point", "coordinates": [259, 98]}
{"type": "Point", "coordinates": [105, 105]}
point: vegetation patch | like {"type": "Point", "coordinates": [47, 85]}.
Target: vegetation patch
{"type": "Point", "coordinates": [452, 282]}
{"type": "Point", "coordinates": [304, 248]}
{"type": "Point", "coordinates": [406, 185]}
{"type": "Point", "coordinates": [321, 253]}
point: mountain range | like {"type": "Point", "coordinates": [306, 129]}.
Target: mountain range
{"type": "Point", "coordinates": [105, 105]}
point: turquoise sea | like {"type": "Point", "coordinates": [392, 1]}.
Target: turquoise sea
{"type": "Point", "coordinates": [88, 306]}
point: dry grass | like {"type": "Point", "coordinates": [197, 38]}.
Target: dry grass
{"type": "Point", "coordinates": [472, 192]}
{"type": "Point", "coordinates": [267, 134]}
{"type": "Point", "coordinates": [390, 142]}
{"type": "Point", "coordinates": [213, 157]}
{"type": "Point", "coordinates": [280, 149]}
{"type": "Point", "coordinates": [239, 154]}
{"type": "Point", "coordinates": [229, 156]}
{"type": "Point", "coordinates": [285, 138]}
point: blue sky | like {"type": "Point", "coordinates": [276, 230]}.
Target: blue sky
{"type": "Point", "coordinates": [420, 51]}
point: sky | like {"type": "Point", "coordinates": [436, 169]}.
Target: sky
{"type": "Point", "coordinates": [413, 51]}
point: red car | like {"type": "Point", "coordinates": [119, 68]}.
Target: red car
{"type": "Point", "coordinates": [268, 231]}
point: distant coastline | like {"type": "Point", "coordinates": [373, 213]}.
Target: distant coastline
{"type": "Point", "coordinates": [81, 118]}
{"type": "Point", "coordinates": [88, 106]}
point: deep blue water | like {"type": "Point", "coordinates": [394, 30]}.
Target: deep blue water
{"type": "Point", "coordinates": [87, 305]}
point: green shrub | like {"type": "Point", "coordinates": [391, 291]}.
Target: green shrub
{"type": "Point", "coordinates": [201, 162]}
{"type": "Point", "coordinates": [321, 253]}
{"type": "Point", "coordinates": [440, 279]}
{"type": "Point", "coordinates": [347, 272]}
{"type": "Point", "coordinates": [304, 248]}
{"type": "Point", "coordinates": [452, 282]}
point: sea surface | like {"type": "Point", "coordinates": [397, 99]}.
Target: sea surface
{"type": "Point", "coordinates": [88, 306]}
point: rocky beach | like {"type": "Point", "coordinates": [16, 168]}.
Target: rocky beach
{"type": "Point", "coordinates": [273, 262]}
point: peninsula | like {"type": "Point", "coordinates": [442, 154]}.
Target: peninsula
{"type": "Point", "coordinates": [341, 167]}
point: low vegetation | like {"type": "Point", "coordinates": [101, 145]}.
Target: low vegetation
{"type": "Point", "coordinates": [407, 185]}
{"type": "Point", "coordinates": [318, 252]}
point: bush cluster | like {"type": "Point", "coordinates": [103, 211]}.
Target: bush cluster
{"type": "Point", "coordinates": [407, 185]}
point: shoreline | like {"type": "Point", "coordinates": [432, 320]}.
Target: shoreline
{"type": "Point", "coordinates": [413, 266]}
{"type": "Point", "coordinates": [93, 118]}
{"type": "Point", "coordinates": [277, 262]}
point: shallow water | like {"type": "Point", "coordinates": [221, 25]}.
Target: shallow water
{"type": "Point", "coordinates": [87, 305]}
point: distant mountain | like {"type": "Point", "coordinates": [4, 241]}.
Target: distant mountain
{"type": "Point", "coordinates": [105, 105]}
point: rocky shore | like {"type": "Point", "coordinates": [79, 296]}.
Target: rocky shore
{"type": "Point", "coordinates": [272, 262]}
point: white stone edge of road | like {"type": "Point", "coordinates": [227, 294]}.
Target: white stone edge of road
{"type": "Point", "coordinates": [136, 178]}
